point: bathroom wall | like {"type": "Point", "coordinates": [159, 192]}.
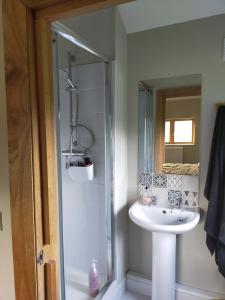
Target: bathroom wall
{"type": "Point", "coordinates": [6, 258]}
{"type": "Point", "coordinates": [98, 28]}
{"type": "Point", "coordinates": [120, 134]}
{"type": "Point", "coordinates": [183, 49]}
{"type": "Point", "coordinates": [84, 203]}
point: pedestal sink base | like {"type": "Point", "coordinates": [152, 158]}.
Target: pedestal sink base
{"type": "Point", "coordinates": [163, 266]}
{"type": "Point", "coordinates": [164, 223]}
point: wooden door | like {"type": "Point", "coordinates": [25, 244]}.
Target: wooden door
{"type": "Point", "coordinates": [32, 161]}
{"type": "Point", "coordinates": [31, 140]}
{"type": "Point", "coordinates": [20, 144]}
{"type": "Point", "coordinates": [46, 208]}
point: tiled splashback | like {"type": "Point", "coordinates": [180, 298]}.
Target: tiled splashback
{"type": "Point", "coordinates": [171, 189]}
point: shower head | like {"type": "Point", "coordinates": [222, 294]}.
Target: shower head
{"type": "Point", "coordinates": [71, 87]}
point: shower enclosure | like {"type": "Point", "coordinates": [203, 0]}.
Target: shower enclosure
{"type": "Point", "coordinates": [82, 80]}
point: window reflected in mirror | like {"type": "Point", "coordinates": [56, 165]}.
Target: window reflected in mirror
{"type": "Point", "coordinates": [178, 132]}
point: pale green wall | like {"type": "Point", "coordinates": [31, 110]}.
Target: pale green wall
{"type": "Point", "coordinates": [6, 262]}
{"type": "Point", "coordinates": [120, 108]}
{"type": "Point", "coordinates": [188, 48]}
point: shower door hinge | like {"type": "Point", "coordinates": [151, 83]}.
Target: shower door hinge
{"type": "Point", "coordinates": [40, 258]}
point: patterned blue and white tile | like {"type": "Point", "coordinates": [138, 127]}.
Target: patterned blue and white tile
{"type": "Point", "coordinates": [174, 197]}
{"type": "Point", "coordinates": [190, 199]}
{"type": "Point", "coordinates": [195, 199]}
{"type": "Point", "coordinates": [174, 182]}
{"type": "Point", "coordinates": [145, 179]}
{"type": "Point", "coordinates": [186, 195]}
{"type": "Point", "coordinates": [159, 180]}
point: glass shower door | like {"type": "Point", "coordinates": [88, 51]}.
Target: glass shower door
{"type": "Point", "coordinates": [85, 201]}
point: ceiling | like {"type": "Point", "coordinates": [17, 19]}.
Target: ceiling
{"type": "Point", "coordinates": [142, 15]}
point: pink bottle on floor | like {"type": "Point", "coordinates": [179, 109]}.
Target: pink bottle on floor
{"type": "Point", "coordinates": [93, 279]}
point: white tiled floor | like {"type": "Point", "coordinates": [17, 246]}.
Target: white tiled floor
{"type": "Point", "coordinates": [76, 291]}
{"type": "Point", "coordinates": [81, 293]}
{"type": "Point", "coordinates": [133, 296]}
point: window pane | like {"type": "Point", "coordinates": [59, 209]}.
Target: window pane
{"type": "Point", "coordinates": [167, 131]}
{"type": "Point", "coordinates": [183, 131]}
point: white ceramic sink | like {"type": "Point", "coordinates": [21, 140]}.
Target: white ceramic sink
{"type": "Point", "coordinates": [165, 224]}
{"type": "Point", "coordinates": [160, 219]}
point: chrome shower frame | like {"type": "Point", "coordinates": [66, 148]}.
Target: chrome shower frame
{"type": "Point", "coordinates": [59, 29]}
{"type": "Point", "coordinates": [69, 35]}
{"type": "Point", "coordinates": [77, 40]}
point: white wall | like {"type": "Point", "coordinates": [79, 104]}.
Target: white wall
{"type": "Point", "coordinates": [6, 259]}
{"type": "Point", "coordinates": [189, 48]}
{"type": "Point", "coordinates": [97, 28]}
{"type": "Point", "coordinates": [120, 196]}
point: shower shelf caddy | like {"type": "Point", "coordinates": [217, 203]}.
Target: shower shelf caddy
{"type": "Point", "coordinates": [78, 172]}
{"type": "Point", "coordinates": [82, 173]}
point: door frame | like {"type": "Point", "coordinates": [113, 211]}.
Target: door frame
{"type": "Point", "coordinates": [32, 139]}
{"type": "Point", "coordinates": [161, 96]}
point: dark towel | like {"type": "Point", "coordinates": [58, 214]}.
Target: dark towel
{"type": "Point", "coordinates": [215, 193]}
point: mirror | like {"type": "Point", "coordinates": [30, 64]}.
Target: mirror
{"type": "Point", "coordinates": [169, 123]}
{"type": "Point", "coordinates": [181, 136]}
